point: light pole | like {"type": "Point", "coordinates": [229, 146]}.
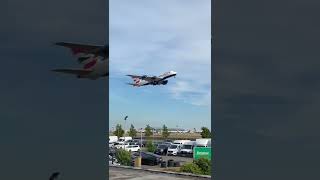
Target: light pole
{"type": "Point", "coordinates": [124, 143]}
{"type": "Point", "coordinates": [153, 135]}
{"type": "Point", "coordinates": [140, 140]}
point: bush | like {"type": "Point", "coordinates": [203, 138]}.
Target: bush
{"type": "Point", "coordinates": [200, 166]}
{"type": "Point", "coordinates": [191, 168]}
{"type": "Point", "coordinates": [204, 165]}
{"type": "Point", "coordinates": [150, 147]}
{"type": "Point", "coordinates": [123, 157]}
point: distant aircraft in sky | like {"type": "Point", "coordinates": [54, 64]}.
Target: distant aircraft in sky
{"type": "Point", "coordinates": [94, 59]}
{"type": "Point", "coordinates": [151, 80]}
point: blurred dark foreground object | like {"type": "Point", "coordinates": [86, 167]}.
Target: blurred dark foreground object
{"type": "Point", "coordinates": [54, 176]}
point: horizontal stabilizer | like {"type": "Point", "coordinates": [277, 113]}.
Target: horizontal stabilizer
{"type": "Point", "coordinates": [131, 84]}
{"type": "Point", "coordinates": [76, 45]}
{"type": "Point", "coordinates": [80, 72]}
{"type": "Point", "coordinates": [134, 76]}
{"type": "Point", "coordinates": [85, 48]}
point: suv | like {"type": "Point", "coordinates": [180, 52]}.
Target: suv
{"type": "Point", "coordinates": [173, 149]}
{"type": "Point", "coordinates": [162, 149]}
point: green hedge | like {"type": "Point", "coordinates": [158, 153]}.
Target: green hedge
{"type": "Point", "coordinates": [201, 166]}
{"type": "Point", "coordinates": [123, 157]}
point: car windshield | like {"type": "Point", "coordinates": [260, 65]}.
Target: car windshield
{"type": "Point", "coordinates": [187, 147]}
{"type": "Point", "coordinates": [173, 147]}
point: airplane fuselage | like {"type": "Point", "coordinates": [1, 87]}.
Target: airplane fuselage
{"type": "Point", "coordinates": [155, 80]}
{"type": "Point", "coordinates": [99, 67]}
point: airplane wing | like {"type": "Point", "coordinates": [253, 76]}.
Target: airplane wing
{"type": "Point", "coordinates": [132, 84]}
{"type": "Point", "coordinates": [80, 72]}
{"type": "Point", "coordinates": [147, 78]}
{"type": "Point", "coordinates": [85, 48]}
{"type": "Point", "coordinates": [134, 76]}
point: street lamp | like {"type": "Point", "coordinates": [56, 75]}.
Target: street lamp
{"type": "Point", "coordinates": [153, 135]}
{"type": "Point", "coordinates": [140, 140]}
{"type": "Point", "coordinates": [125, 119]}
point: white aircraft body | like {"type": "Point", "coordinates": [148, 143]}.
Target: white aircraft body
{"type": "Point", "coordinates": [93, 58]}
{"type": "Point", "coordinates": [151, 80]}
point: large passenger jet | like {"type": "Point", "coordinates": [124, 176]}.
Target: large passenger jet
{"type": "Point", "coordinates": [151, 80]}
{"type": "Point", "coordinates": [93, 58]}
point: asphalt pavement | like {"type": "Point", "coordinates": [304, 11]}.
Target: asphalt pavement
{"type": "Point", "coordinates": [116, 173]}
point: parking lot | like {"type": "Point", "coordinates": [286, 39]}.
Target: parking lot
{"type": "Point", "coordinates": [182, 160]}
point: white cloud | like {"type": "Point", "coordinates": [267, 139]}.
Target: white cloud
{"type": "Point", "coordinates": [151, 37]}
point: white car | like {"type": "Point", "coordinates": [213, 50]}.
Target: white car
{"type": "Point", "coordinates": [133, 148]}
{"type": "Point", "coordinates": [121, 145]}
{"type": "Point", "coordinates": [113, 161]}
{"type": "Point", "coordinates": [174, 149]}
{"type": "Point", "coordinates": [111, 145]}
{"type": "Point", "coordinates": [186, 150]}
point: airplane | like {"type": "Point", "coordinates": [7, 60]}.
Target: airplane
{"type": "Point", "coordinates": [151, 80]}
{"type": "Point", "coordinates": [94, 59]}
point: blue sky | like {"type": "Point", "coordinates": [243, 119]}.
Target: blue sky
{"type": "Point", "coordinates": [152, 37]}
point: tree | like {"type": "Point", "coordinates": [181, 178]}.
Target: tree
{"type": "Point", "coordinates": [165, 132]}
{"type": "Point", "coordinates": [150, 146]}
{"type": "Point", "coordinates": [148, 131]}
{"type": "Point", "coordinates": [205, 132]}
{"type": "Point", "coordinates": [132, 131]}
{"type": "Point", "coordinates": [123, 157]}
{"type": "Point", "coordinates": [119, 131]}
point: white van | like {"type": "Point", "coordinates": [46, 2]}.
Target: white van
{"type": "Point", "coordinates": [121, 145]}
{"type": "Point", "coordinates": [204, 142]}
{"type": "Point", "coordinates": [181, 142]}
{"type": "Point", "coordinates": [124, 139]}
{"type": "Point", "coordinates": [187, 148]}
{"type": "Point", "coordinates": [174, 149]}
{"type": "Point", "coordinates": [113, 139]}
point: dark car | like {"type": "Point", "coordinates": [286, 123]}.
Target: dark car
{"type": "Point", "coordinates": [151, 159]}
{"type": "Point", "coordinates": [134, 142]}
{"type": "Point", "coordinates": [162, 149]}
{"type": "Point", "coordinates": [168, 140]}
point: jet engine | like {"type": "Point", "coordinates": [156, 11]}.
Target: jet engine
{"type": "Point", "coordinates": [164, 82]}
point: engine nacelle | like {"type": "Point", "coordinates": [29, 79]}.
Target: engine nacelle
{"type": "Point", "coordinates": [164, 82]}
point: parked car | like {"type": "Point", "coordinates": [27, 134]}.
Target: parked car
{"type": "Point", "coordinates": [134, 142]}
{"type": "Point", "coordinates": [187, 149]}
{"type": "Point", "coordinates": [148, 158]}
{"type": "Point", "coordinates": [203, 142]}
{"type": "Point", "coordinates": [180, 141]}
{"type": "Point", "coordinates": [168, 140]}
{"type": "Point", "coordinates": [111, 145]}
{"type": "Point", "coordinates": [167, 143]}
{"type": "Point", "coordinates": [121, 145]}
{"type": "Point", "coordinates": [113, 160]}
{"type": "Point", "coordinates": [173, 149]}
{"type": "Point", "coordinates": [113, 139]}
{"type": "Point", "coordinates": [127, 138]}
{"type": "Point", "coordinates": [133, 148]}
{"type": "Point", "coordinates": [162, 149]}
